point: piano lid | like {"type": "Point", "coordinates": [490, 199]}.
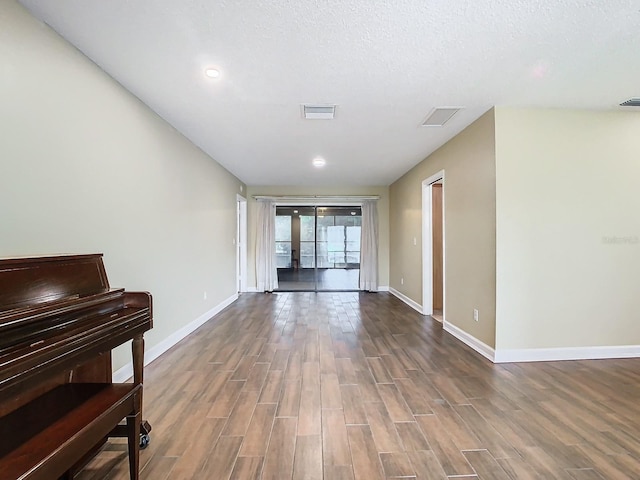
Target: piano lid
{"type": "Point", "coordinates": [36, 280]}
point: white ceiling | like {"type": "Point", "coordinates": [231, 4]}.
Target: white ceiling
{"type": "Point", "coordinates": [386, 63]}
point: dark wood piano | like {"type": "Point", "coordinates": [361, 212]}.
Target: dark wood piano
{"type": "Point", "coordinates": [59, 321]}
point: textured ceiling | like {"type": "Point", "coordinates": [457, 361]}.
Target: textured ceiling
{"type": "Point", "coordinates": [386, 63]}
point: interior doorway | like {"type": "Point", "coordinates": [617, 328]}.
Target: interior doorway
{"type": "Point", "coordinates": [318, 247]}
{"type": "Point", "coordinates": [436, 248]}
{"type": "Point", "coordinates": [241, 244]}
{"type": "Point", "coordinates": [433, 246]}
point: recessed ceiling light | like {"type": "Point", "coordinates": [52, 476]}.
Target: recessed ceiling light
{"type": "Point", "coordinates": [353, 213]}
{"type": "Point", "coordinates": [295, 211]}
{"type": "Point", "coordinates": [212, 73]}
{"type": "Point", "coordinates": [319, 162]}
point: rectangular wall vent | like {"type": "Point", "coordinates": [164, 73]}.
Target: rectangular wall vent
{"type": "Point", "coordinates": [632, 102]}
{"type": "Point", "coordinates": [319, 112]}
{"type": "Point", "coordinates": [439, 116]}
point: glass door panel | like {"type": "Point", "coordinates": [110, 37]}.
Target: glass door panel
{"type": "Point", "coordinates": [295, 248]}
{"type": "Point", "coordinates": [338, 246]}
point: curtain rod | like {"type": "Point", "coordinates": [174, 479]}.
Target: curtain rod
{"type": "Point", "coordinates": [316, 197]}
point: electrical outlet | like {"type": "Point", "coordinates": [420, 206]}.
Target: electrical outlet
{"type": "Point", "coordinates": [204, 295]}
{"type": "Point", "coordinates": [415, 241]}
{"type": "Point", "coordinates": [475, 314]}
{"type": "Point", "coordinates": [402, 281]}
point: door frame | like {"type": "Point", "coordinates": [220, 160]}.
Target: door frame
{"type": "Point", "coordinates": [241, 243]}
{"type": "Point", "coordinates": [427, 244]}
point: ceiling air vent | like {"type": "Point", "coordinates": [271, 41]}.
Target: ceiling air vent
{"type": "Point", "coordinates": [632, 102]}
{"type": "Point", "coordinates": [439, 116]}
{"type": "Point", "coordinates": [319, 112]}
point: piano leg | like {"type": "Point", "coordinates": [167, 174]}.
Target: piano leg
{"type": "Point", "coordinates": [133, 435]}
{"type": "Point", "coordinates": [137, 351]}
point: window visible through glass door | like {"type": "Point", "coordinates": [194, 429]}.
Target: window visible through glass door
{"type": "Point", "coordinates": [283, 241]}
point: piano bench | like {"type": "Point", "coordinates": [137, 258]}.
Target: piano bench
{"type": "Point", "coordinates": [46, 437]}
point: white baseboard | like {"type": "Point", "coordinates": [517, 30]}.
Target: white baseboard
{"type": "Point", "coordinates": [479, 346]}
{"type": "Point", "coordinates": [568, 353]}
{"type": "Point", "coordinates": [415, 305]}
{"type": "Point", "coordinates": [251, 290]}
{"type": "Point", "coordinates": [126, 372]}
{"type": "Point", "coordinates": [383, 288]}
{"type": "Point", "coordinates": [541, 354]}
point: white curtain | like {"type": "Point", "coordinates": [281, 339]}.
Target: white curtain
{"type": "Point", "coordinates": [266, 270]}
{"type": "Point", "coordinates": [369, 246]}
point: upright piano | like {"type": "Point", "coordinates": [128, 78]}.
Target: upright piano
{"type": "Point", "coordinates": [59, 321]}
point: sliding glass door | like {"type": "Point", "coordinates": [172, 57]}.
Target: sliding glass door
{"type": "Point", "coordinates": [295, 248]}
{"type": "Point", "coordinates": [318, 248]}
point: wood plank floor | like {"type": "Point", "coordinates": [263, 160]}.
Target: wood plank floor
{"type": "Point", "coordinates": [359, 386]}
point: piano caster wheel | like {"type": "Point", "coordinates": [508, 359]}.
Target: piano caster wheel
{"type": "Point", "coordinates": [144, 440]}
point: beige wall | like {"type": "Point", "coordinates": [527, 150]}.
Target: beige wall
{"type": "Point", "coordinates": [468, 161]}
{"type": "Point", "coordinates": [383, 220]}
{"type": "Point", "coordinates": [568, 228]}
{"type": "Point", "coordinates": [86, 167]}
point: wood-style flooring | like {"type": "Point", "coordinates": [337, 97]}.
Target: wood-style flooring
{"type": "Point", "coordinates": [323, 279]}
{"type": "Point", "coordinates": [359, 386]}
